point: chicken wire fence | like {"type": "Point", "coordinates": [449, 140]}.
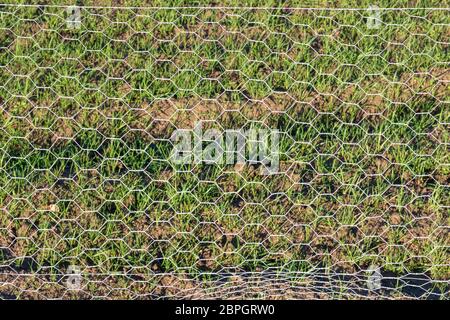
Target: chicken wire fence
{"type": "Point", "coordinates": [217, 152]}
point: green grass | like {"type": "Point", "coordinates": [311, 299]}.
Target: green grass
{"type": "Point", "coordinates": [86, 116]}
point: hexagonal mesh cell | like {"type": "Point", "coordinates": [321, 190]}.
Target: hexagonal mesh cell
{"type": "Point", "coordinates": [218, 152]}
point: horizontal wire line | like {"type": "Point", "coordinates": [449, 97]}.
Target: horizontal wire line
{"type": "Point", "coordinates": [218, 7]}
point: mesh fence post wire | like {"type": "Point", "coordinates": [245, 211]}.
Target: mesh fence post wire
{"type": "Point", "coordinates": [224, 152]}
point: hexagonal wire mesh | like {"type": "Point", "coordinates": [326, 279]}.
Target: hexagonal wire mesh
{"type": "Point", "coordinates": [92, 205]}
